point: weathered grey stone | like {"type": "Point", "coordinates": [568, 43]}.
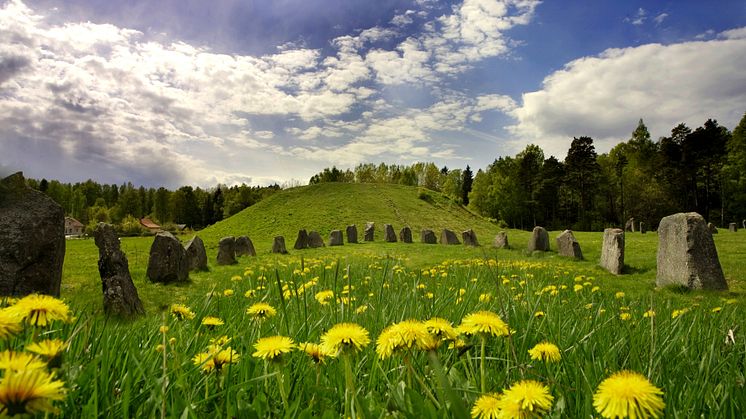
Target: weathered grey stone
{"type": "Point", "coordinates": [369, 232]}
{"type": "Point", "coordinates": [315, 240]}
{"type": "Point", "coordinates": [630, 225]}
{"type": "Point", "coordinates": [196, 254]}
{"type": "Point", "coordinates": [388, 232]}
{"type": "Point", "coordinates": [712, 228]}
{"type": "Point", "coordinates": [470, 238]}
{"type": "Point", "coordinates": [643, 228]}
{"type": "Point", "coordinates": [244, 246]}
{"type": "Point", "coordinates": [405, 235]}
{"type": "Point", "coordinates": [687, 255]}
{"type": "Point", "coordinates": [501, 240]}
{"type": "Point", "coordinates": [227, 251]}
{"type": "Point", "coordinates": [428, 237]}
{"type": "Point", "coordinates": [168, 260]}
{"type": "Point", "coordinates": [612, 250]}
{"type": "Point", "coordinates": [448, 237]}
{"type": "Point", "coordinates": [567, 245]}
{"type": "Point", "coordinates": [351, 234]}
{"type": "Point", "coordinates": [302, 241]}
{"type": "Point", "coordinates": [335, 238]}
{"type": "Point", "coordinates": [278, 245]}
{"type": "Point", "coordinates": [539, 240]}
{"type": "Point", "coordinates": [32, 240]}
{"type": "Point", "coordinates": [120, 294]}
{"type": "Point", "coordinates": [732, 227]}
{"type": "Point", "coordinates": [743, 223]}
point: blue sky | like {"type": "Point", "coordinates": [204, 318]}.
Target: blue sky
{"type": "Point", "coordinates": [193, 92]}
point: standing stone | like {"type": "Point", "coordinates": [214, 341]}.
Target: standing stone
{"type": "Point", "coordinates": [643, 228]}
{"type": "Point", "coordinates": [302, 241]}
{"type": "Point", "coordinates": [405, 235]}
{"type": "Point", "coordinates": [389, 234]}
{"type": "Point", "coordinates": [227, 251]}
{"type": "Point", "coordinates": [368, 233]}
{"type": "Point", "coordinates": [32, 240]}
{"type": "Point", "coordinates": [428, 237]}
{"type": "Point", "coordinates": [687, 255]}
{"type": "Point", "coordinates": [120, 294]}
{"type": "Point", "coordinates": [196, 254]}
{"type": "Point", "coordinates": [315, 240]}
{"type": "Point", "coordinates": [539, 240]}
{"type": "Point", "coordinates": [732, 227]}
{"type": "Point", "coordinates": [743, 223]}
{"type": "Point", "coordinates": [470, 238]}
{"type": "Point", "coordinates": [630, 225]}
{"type": "Point", "coordinates": [335, 238]}
{"type": "Point", "coordinates": [448, 237]}
{"type": "Point", "coordinates": [712, 228]}
{"type": "Point", "coordinates": [244, 246]}
{"type": "Point", "coordinates": [278, 245]}
{"type": "Point", "coordinates": [567, 245]}
{"type": "Point", "coordinates": [168, 260]}
{"type": "Point", "coordinates": [501, 240]}
{"type": "Point", "coordinates": [351, 234]}
{"type": "Point", "coordinates": [612, 251]}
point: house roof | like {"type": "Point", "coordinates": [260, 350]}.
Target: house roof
{"type": "Point", "coordinates": [73, 222]}
{"type": "Point", "coordinates": [148, 223]}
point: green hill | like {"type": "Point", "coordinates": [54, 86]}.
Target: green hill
{"type": "Point", "coordinates": [330, 206]}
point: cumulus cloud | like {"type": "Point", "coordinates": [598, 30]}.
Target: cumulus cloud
{"type": "Point", "coordinates": [603, 96]}
{"type": "Point", "coordinates": [660, 18]}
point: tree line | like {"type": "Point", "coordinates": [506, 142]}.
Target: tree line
{"type": "Point", "coordinates": [701, 170]}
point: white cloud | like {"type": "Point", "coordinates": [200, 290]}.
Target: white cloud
{"type": "Point", "coordinates": [639, 18]}
{"type": "Point", "coordinates": [403, 19]}
{"type": "Point", "coordinates": [736, 33]}
{"type": "Point", "coordinates": [604, 96]}
{"type": "Point", "coordinates": [660, 18]}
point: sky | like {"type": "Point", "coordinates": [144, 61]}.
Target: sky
{"type": "Point", "coordinates": [195, 92]}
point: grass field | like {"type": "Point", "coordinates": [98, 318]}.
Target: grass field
{"type": "Point", "coordinates": [597, 320]}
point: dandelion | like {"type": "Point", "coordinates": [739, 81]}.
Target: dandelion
{"type": "Point", "coordinates": [160, 348]}
{"type": "Point", "coordinates": [345, 337]}
{"type": "Point", "coordinates": [50, 349]}
{"type": "Point", "coordinates": [539, 314]}
{"type": "Point", "coordinates": [648, 314]}
{"type": "Point", "coordinates": [224, 357]}
{"type": "Point", "coordinates": [525, 399]}
{"type": "Point", "coordinates": [595, 289]}
{"type": "Point", "coordinates": [236, 278]}
{"type": "Point", "coordinates": [221, 341]}
{"type": "Point", "coordinates": [261, 311]}
{"type": "Point", "coordinates": [403, 336]}
{"type": "Point", "coordinates": [19, 361]}
{"type": "Point", "coordinates": [485, 298]}
{"type": "Point", "coordinates": [228, 293]}
{"type": "Point", "coordinates": [545, 351]}
{"type": "Point", "coordinates": [163, 329]}
{"type": "Point", "coordinates": [211, 322]}
{"type": "Point", "coordinates": [441, 329]}
{"type": "Point", "coordinates": [172, 341]}
{"type": "Point", "coordinates": [628, 394]}
{"type": "Point", "coordinates": [315, 351]}
{"type": "Point", "coordinates": [717, 309]}
{"type": "Point", "coordinates": [677, 313]}
{"type": "Point", "coordinates": [625, 316]}
{"type": "Point", "coordinates": [29, 392]}
{"type": "Point", "coordinates": [323, 297]}
{"type": "Point", "coordinates": [361, 309]}
{"type": "Point", "coordinates": [619, 294]}
{"type": "Point", "coordinates": [181, 312]}
{"type": "Point", "coordinates": [483, 323]}
{"type": "Point", "coordinates": [273, 347]}
{"type": "Point", "coordinates": [9, 324]}
{"type": "Point", "coordinates": [486, 407]}
{"type": "Point", "coordinates": [577, 287]}
{"type": "Point", "coordinates": [40, 310]}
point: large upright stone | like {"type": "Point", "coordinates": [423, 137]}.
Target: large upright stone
{"type": "Point", "coordinates": [168, 260]}
{"type": "Point", "coordinates": [351, 234]}
{"type": "Point", "coordinates": [244, 246]}
{"type": "Point", "coordinates": [743, 223]}
{"type": "Point", "coordinates": [315, 240]}
{"type": "Point", "coordinates": [539, 240]}
{"type": "Point", "coordinates": [368, 234]}
{"type": "Point", "coordinates": [278, 245]}
{"type": "Point", "coordinates": [120, 294]}
{"type": "Point", "coordinates": [732, 227]}
{"type": "Point", "coordinates": [687, 255]}
{"type": "Point", "coordinates": [302, 241]}
{"type": "Point", "coordinates": [32, 240]}
{"type": "Point", "coordinates": [712, 228]}
{"type": "Point", "coordinates": [428, 237]}
{"type": "Point", "coordinates": [405, 235]}
{"type": "Point", "coordinates": [612, 250]}
{"type": "Point", "coordinates": [335, 238]}
{"type": "Point", "coordinates": [389, 234]}
{"type": "Point", "coordinates": [448, 237]}
{"type": "Point", "coordinates": [567, 245]}
{"type": "Point", "coordinates": [196, 254]}
{"type": "Point", "coordinates": [630, 225]}
{"type": "Point", "coordinates": [470, 238]}
{"type": "Point", "coordinates": [643, 228]}
{"type": "Point", "coordinates": [501, 240]}
{"type": "Point", "coordinates": [227, 251]}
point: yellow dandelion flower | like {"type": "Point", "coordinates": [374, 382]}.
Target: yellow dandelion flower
{"type": "Point", "coordinates": [404, 335]}
{"type": "Point", "coordinates": [361, 309]}
{"type": "Point", "coordinates": [619, 294]}
{"type": "Point", "coordinates": [429, 295]}
{"type": "Point", "coordinates": [589, 306]}
{"type": "Point", "coordinates": [539, 314]}
{"type": "Point", "coordinates": [204, 360]}
{"type": "Point", "coordinates": [261, 311]}
{"type": "Point", "coordinates": [236, 278]}
{"type": "Point", "coordinates": [486, 407]}
{"type": "Point", "coordinates": [525, 399]}
{"type": "Point", "coordinates": [545, 351]}
{"type": "Point", "coordinates": [40, 310]}
{"type": "Point", "coordinates": [18, 361]}
{"type": "Point", "coordinates": [483, 322]}
{"type": "Point", "coordinates": [160, 348]}
{"type": "Point", "coordinates": [220, 341]}
{"type": "Point", "coordinates": [50, 349]}
{"type": "Point", "coordinates": [677, 313]}
{"type": "Point", "coordinates": [485, 298]}
{"type": "Point", "coordinates": [441, 329]}
{"type": "Point", "coordinates": [9, 323]}
{"type": "Point", "coordinates": [717, 309]}
{"type": "Point", "coordinates": [29, 392]}
{"type": "Point", "coordinates": [345, 337]}
{"type": "Point", "coordinates": [648, 314]}
{"type": "Point", "coordinates": [323, 297]}
{"type": "Point", "coordinates": [211, 322]}
{"type": "Point", "coordinates": [181, 312]}
{"type": "Point", "coordinates": [228, 293]}
{"type": "Point", "coordinates": [163, 329]}
{"type": "Point", "coordinates": [625, 316]}
{"type": "Point", "coordinates": [273, 347]}
{"type": "Point", "coordinates": [249, 293]}
{"type": "Point", "coordinates": [315, 351]}
{"type": "Point", "coordinates": [628, 394]}
{"type": "Point", "coordinates": [225, 356]}
{"type": "Point", "coordinates": [596, 289]}
{"type": "Point", "coordinates": [577, 288]}
{"type": "Point", "coordinates": [172, 341]}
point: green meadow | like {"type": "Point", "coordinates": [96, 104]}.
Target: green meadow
{"type": "Point", "coordinates": [689, 344]}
